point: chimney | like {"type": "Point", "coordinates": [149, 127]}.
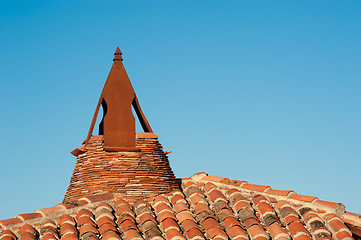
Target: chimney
{"type": "Point", "coordinates": [119, 160]}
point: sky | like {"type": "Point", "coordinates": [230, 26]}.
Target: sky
{"type": "Point", "coordinates": [262, 91]}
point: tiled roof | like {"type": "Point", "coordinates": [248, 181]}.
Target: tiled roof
{"type": "Point", "coordinates": [205, 207]}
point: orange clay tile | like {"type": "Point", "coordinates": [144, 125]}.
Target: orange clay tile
{"type": "Point", "coordinates": [173, 234]}
{"type": "Point", "coordinates": [162, 206]}
{"type": "Point", "coordinates": [237, 197]}
{"type": "Point", "coordinates": [105, 220]}
{"type": "Point", "coordinates": [196, 198]}
{"type": "Point", "coordinates": [286, 210]}
{"type": "Point", "coordinates": [192, 190]}
{"type": "Point", "coordinates": [215, 195]}
{"type": "Point", "coordinates": [250, 222]}
{"type": "Point", "coordinates": [350, 214]}
{"type": "Point", "coordinates": [49, 237]}
{"type": "Point", "coordinates": [240, 205]}
{"type": "Point", "coordinates": [264, 208]}
{"type": "Point", "coordinates": [10, 221]}
{"type": "Point", "coordinates": [153, 233]}
{"type": "Point", "coordinates": [84, 212]}
{"type": "Point", "coordinates": [85, 219]}
{"type": "Point", "coordinates": [219, 205]}
{"type": "Point", "coordinates": [291, 218]}
{"type": "Point", "coordinates": [165, 215]}
{"type": "Point", "coordinates": [201, 206]}
{"type": "Point", "coordinates": [148, 225]}
{"type": "Point", "coordinates": [224, 213]}
{"type": "Point", "coordinates": [256, 230]}
{"type": "Point", "coordinates": [354, 226]}
{"type": "Point", "coordinates": [210, 223]}
{"type": "Point", "coordinates": [132, 234]}
{"type": "Point", "coordinates": [101, 212]}
{"type": "Point", "coordinates": [254, 187]}
{"type": "Point", "coordinates": [232, 191]}
{"type": "Point", "coordinates": [7, 234]}
{"type": "Point", "coordinates": [282, 203]}
{"type": "Point", "coordinates": [331, 216]}
{"type": "Point", "coordinates": [337, 225]}
{"type": "Point", "coordinates": [302, 237]}
{"type": "Point", "coordinates": [276, 231]}
{"type": "Point", "coordinates": [67, 227]}
{"type": "Point", "coordinates": [297, 227]}
{"type": "Point", "coordinates": [177, 197]}
{"type": "Point", "coordinates": [106, 227]}
{"type": "Point", "coordinates": [86, 229]}
{"type": "Point", "coordinates": [27, 216]}
{"type": "Point", "coordinates": [110, 235]}
{"type": "Point", "coordinates": [185, 215]}
{"type": "Point", "coordinates": [259, 198]}
{"type": "Point", "coordinates": [50, 210]}
{"type": "Point", "coordinates": [27, 236]}
{"type": "Point", "coordinates": [168, 224]}
{"type": "Point", "coordinates": [230, 222]}
{"type": "Point", "coordinates": [194, 233]}
{"type": "Point", "coordinates": [66, 218]}
{"type": "Point", "coordinates": [327, 204]}
{"type": "Point", "coordinates": [209, 186]}
{"type": "Point", "coordinates": [343, 235]}
{"type": "Point", "coordinates": [7, 238]}
{"type": "Point", "coordinates": [188, 225]}
{"type": "Point", "coordinates": [180, 206]}
{"type": "Point", "coordinates": [216, 232]}
{"type": "Point", "coordinates": [282, 238]}
{"type": "Point", "coordinates": [214, 178]}
{"type": "Point", "coordinates": [236, 231]}
{"type": "Point", "coordinates": [238, 183]}
{"type": "Point", "coordinates": [50, 234]}
{"type": "Point", "coordinates": [123, 209]}
{"type": "Point", "coordinates": [160, 199]}
{"type": "Point", "coordinates": [303, 198]}
{"type": "Point", "coordinates": [146, 216]}
{"type": "Point", "coordinates": [119, 202]}
{"type": "Point", "coordinates": [128, 224]}
{"type": "Point", "coordinates": [27, 228]}
{"type": "Point", "coordinates": [70, 236]}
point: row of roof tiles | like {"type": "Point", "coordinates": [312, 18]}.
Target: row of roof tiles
{"type": "Point", "coordinates": [208, 207]}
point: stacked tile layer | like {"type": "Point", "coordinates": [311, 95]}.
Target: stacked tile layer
{"type": "Point", "coordinates": [134, 175]}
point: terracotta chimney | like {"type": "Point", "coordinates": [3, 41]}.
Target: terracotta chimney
{"type": "Point", "coordinates": [118, 160]}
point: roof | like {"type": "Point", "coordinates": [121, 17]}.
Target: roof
{"type": "Point", "coordinates": [123, 187]}
{"type": "Point", "coordinates": [204, 207]}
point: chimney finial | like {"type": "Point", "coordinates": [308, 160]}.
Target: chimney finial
{"type": "Point", "coordinates": [118, 55]}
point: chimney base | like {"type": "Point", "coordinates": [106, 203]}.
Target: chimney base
{"type": "Point", "coordinates": [135, 175]}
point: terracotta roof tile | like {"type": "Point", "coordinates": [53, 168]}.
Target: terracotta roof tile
{"type": "Point", "coordinates": [203, 209]}
{"type": "Point", "coordinates": [50, 210]}
{"type": "Point", "coordinates": [286, 193]}
{"type": "Point", "coordinates": [303, 198]}
{"type": "Point", "coordinates": [194, 234]}
{"type": "Point", "coordinates": [254, 187]}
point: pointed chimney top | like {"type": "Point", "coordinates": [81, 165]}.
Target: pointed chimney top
{"type": "Point", "coordinates": [118, 55]}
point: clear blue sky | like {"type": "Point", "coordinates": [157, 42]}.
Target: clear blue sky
{"type": "Point", "coordinates": [263, 91]}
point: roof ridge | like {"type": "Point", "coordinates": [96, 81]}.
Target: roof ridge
{"type": "Point", "coordinates": [289, 195]}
